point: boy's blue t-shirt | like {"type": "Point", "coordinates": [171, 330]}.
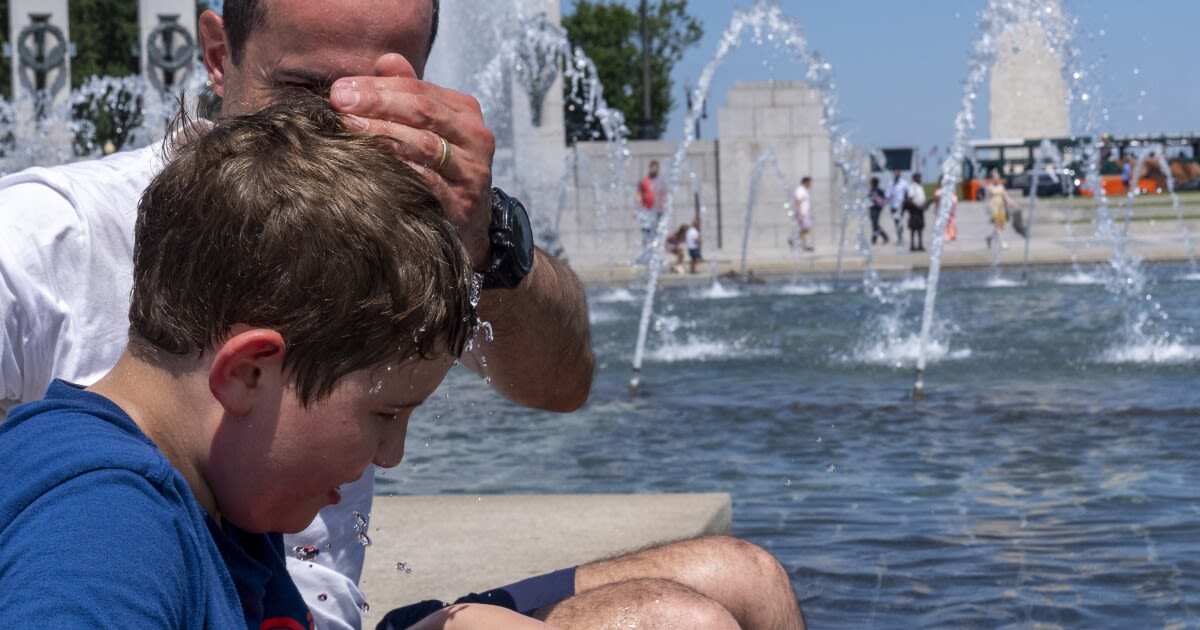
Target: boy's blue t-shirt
{"type": "Point", "coordinates": [99, 530]}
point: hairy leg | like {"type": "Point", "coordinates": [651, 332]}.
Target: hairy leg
{"type": "Point", "coordinates": [646, 604]}
{"type": "Point", "coordinates": [478, 617]}
{"type": "Point", "coordinates": [740, 576]}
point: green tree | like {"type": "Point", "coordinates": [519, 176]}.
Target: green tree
{"type": "Point", "coordinates": [610, 34]}
{"type": "Point", "coordinates": [104, 33]}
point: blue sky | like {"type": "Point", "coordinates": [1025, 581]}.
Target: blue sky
{"type": "Point", "coordinates": [900, 65]}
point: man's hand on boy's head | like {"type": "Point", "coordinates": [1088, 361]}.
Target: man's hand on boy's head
{"type": "Point", "coordinates": [420, 115]}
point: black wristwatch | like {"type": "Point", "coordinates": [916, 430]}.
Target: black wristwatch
{"type": "Point", "coordinates": [512, 243]}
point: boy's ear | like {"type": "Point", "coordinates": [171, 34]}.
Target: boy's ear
{"type": "Point", "coordinates": [214, 47]}
{"type": "Point", "coordinates": [248, 365]}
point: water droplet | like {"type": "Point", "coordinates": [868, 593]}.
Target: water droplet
{"type": "Point", "coordinates": [363, 539]}
{"type": "Point", "coordinates": [788, 482]}
{"type": "Point", "coordinates": [304, 553]}
{"type": "Point", "coordinates": [818, 438]}
{"type": "Point", "coordinates": [322, 597]}
{"type": "Point", "coordinates": [830, 468]}
{"type": "Point", "coordinates": [360, 522]}
{"type": "Point", "coordinates": [1137, 71]}
{"type": "Point", "coordinates": [364, 607]}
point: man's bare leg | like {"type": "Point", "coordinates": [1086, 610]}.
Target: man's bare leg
{"type": "Point", "coordinates": [741, 577]}
{"type": "Point", "coordinates": [645, 604]}
{"type": "Point", "coordinates": [477, 616]}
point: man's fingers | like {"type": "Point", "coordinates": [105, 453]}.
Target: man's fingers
{"type": "Point", "coordinates": [402, 99]}
{"type": "Point", "coordinates": [394, 65]}
{"type": "Point", "coordinates": [419, 147]}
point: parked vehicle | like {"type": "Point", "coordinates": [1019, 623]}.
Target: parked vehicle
{"type": "Point", "coordinates": [1050, 182]}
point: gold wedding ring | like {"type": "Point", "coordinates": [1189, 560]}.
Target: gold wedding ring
{"type": "Point", "coordinates": [445, 159]}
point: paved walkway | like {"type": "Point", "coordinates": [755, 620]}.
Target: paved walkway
{"type": "Point", "coordinates": [441, 547]}
{"type": "Point", "coordinates": [1062, 232]}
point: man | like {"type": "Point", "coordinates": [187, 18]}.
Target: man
{"type": "Point", "coordinates": [896, 195]}
{"type": "Point", "coordinates": [915, 206]}
{"type": "Point", "coordinates": [803, 200]}
{"type": "Point", "coordinates": [67, 285]}
{"type": "Point", "coordinates": [691, 239]}
{"type": "Point", "coordinates": [877, 199]}
{"type": "Point", "coordinates": [652, 194]}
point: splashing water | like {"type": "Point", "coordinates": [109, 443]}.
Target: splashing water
{"type": "Point", "coordinates": [1126, 278]}
{"type": "Point", "coordinates": [1046, 152]}
{"type": "Point", "coordinates": [360, 529]}
{"type": "Point", "coordinates": [765, 22]}
{"type": "Point", "coordinates": [764, 160]}
{"type": "Point", "coordinates": [534, 53]}
{"type": "Point", "coordinates": [134, 112]}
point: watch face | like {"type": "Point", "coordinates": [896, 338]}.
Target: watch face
{"type": "Point", "coordinates": [512, 243]}
{"type": "Point", "coordinates": [522, 238]}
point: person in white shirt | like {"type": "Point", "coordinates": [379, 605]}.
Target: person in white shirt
{"type": "Point", "coordinates": [691, 240]}
{"type": "Point", "coordinates": [915, 206]}
{"type": "Point", "coordinates": [896, 195]}
{"type": "Point", "coordinates": [803, 211]}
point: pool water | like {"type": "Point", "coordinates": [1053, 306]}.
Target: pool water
{"type": "Point", "coordinates": [1049, 476]}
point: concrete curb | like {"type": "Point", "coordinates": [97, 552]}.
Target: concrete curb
{"type": "Point", "coordinates": [460, 544]}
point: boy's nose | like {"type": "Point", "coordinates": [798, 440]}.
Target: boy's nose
{"type": "Point", "coordinates": [391, 443]}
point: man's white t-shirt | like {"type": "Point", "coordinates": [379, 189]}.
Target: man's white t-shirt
{"type": "Point", "coordinates": [803, 207]}
{"type": "Point", "coordinates": [66, 270]}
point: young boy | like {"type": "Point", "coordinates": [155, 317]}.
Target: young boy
{"type": "Point", "coordinates": [297, 292]}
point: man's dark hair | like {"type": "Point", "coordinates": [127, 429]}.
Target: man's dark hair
{"type": "Point", "coordinates": [242, 17]}
{"type": "Point", "coordinates": [284, 220]}
{"type": "Point", "coordinates": [806, 180]}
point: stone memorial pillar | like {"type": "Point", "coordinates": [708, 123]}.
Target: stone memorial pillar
{"type": "Point", "coordinates": [41, 59]}
{"type": "Point", "coordinates": [168, 41]}
{"type": "Point", "coordinates": [1028, 90]}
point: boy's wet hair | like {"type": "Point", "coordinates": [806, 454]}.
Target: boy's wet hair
{"type": "Point", "coordinates": [284, 220]}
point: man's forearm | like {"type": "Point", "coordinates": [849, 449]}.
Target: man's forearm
{"type": "Point", "coordinates": [540, 354]}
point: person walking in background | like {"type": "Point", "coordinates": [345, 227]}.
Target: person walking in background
{"type": "Point", "coordinates": [803, 211]}
{"type": "Point", "coordinates": [951, 232]}
{"type": "Point", "coordinates": [692, 241]}
{"type": "Point", "coordinates": [652, 193]}
{"type": "Point", "coordinates": [999, 204]}
{"type": "Point", "coordinates": [1126, 173]}
{"type": "Point", "coordinates": [675, 246]}
{"type": "Point", "coordinates": [896, 195]}
{"type": "Point", "coordinates": [915, 205]}
{"type": "Point", "coordinates": [878, 200]}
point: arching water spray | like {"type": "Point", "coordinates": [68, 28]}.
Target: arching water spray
{"type": "Point", "coordinates": [757, 170]}
{"type": "Point", "coordinates": [534, 52]}
{"type": "Point", "coordinates": [765, 20]}
{"type": "Point", "coordinates": [1045, 153]}
{"type": "Point", "coordinates": [994, 20]}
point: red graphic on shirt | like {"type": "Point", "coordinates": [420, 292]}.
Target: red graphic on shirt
{"type": "Point", "coordinates": [285, 623]}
